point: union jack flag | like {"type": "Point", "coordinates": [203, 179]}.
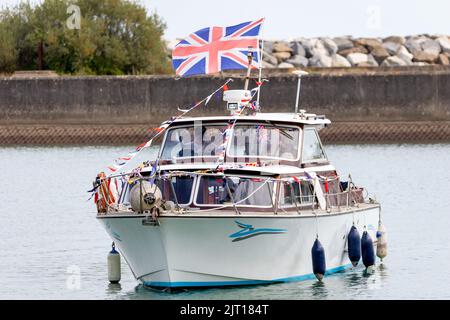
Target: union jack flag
{"type": "Point", "coordinates": [213, 49]}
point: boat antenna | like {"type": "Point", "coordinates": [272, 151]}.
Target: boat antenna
{"type": "Point", "coordinates": [250, 59]}
{"type": "Point", "coordinates": [299, 73]}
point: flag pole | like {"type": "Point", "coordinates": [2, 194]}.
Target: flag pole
{"type": "Point", "coordinates": [260, 52]}
{"type": "Point", "coordinates": [260, 57]}
{"type": "Point", "coordinates": [250, 59]}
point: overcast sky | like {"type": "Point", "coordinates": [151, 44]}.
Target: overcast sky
{"type": "Point", "coordinates": [288, 19]}
{"type": "Point", "coordinates": [285, 19]}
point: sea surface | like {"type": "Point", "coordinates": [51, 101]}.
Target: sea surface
{"type": "Point", "coordinates": [52, 247]}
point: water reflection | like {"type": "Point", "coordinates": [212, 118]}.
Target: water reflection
{"type": "Point", "coordinates": [113, 288]}
{"type": "Point", "coordinates": [319, 290]}
{"type": "Point", "coordinates": [352, 283]}
{"type": "Point", "coordinates": [365, 281]}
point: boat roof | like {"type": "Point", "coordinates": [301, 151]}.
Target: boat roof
{"type": "Point", "coordinates": [297, 118]}
{"type": "Point", "coordinates": [263, 170]}
{"type": "Point", "coordinates": [279, 169]}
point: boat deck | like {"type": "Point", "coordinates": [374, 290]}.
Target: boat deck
{"type": "Point", "coordinates": [230, 212]}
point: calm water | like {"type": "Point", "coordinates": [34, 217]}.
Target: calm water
{"type": "Point", "coordinates": [49, 232]}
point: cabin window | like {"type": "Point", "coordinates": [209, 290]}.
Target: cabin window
{"type": "Point", "coordinates": [193, 141]}
{"type": "Point", "coordinates": [213, 190]}
{"type": "Point", "coordinates": [182, 186]}
{"type": "Point", "coordinates": [312, 148]}
{"type": "Point", "coordinates": [265, 141]}
{"type": "Point", "coordinates": [301, 192]}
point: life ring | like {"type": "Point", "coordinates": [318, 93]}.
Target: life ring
{"type": "Point", "coordinates": [105, 192]}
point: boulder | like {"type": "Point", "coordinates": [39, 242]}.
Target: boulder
{"type": "Point", "coordinates": [444, 42]}
{"type": "Point", "coordinates": [423, 56]}
{"type": "Point", "coordinates": [320, 61]}
{"type": "Point", "coordinates": [314, 47]}
{"type": "Point", "coordinates": [423, 49]}
{"type": "Point", "coordinates": [431, 47]}
{"type": "Point", "coordinates": [393, 62]}
{"type": "Point", "coordinates": [362, 60]}
{"type": "Point", "coordinates": [405, 55]}
{"type": "Point", "coordinates": [369, 43]}
{"type": "Point", "coordinates": [268, 46]}
{"type": "Point", "coordinates": [320, 51]}
{"type": "Point", "coordinates": [297, 48]}
{"type": "Point", "coordinates": [357, 58]}
{"type": "Point", "coordinates": [371, 62]}
{"type": "Point", "coordinates": [358, 49]}
{"type": "Point", "coordinates": [391, 47]}
{"type": "Point", "coordinates": [379, 53]}
{"type": "Point", "coordinates": [267, 57]}
{"type": "Point", "coordinates": [285, 65]}
{"type": "Point", "coordinates": [343, 43]}
{"type": "Point", "coordinates": [413, 46]}
{"type": "Point", "coordinates": [395, 39]}
{"type": "Point", "coordinates": [418, 39]}
{"type": "Point", "coordinates": [298, 61]}
{"type": "Point", "coordinates": [308, 45]}
{"type": "Point", "coordinates": [339, 61]}
{"type": "Point", "coordinates": [331, 47]}
{"type": "Point", "coordinates": [282, 56]}
{"type": "Point", "coordinates": [267, 65]}
{"type": "Point", "coordinates": [281, 47]}
{"type": "Point", "coordinates": [443, 59]}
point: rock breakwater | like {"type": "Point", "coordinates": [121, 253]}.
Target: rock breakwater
{"type": "Point", "coordinates": [419, 50]}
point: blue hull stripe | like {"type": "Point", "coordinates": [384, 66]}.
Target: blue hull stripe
{"type": "Point", "coordinates": [241, 282]}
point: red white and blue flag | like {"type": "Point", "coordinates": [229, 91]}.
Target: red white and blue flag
{"type": "Point", "coordinates": [213, 49]}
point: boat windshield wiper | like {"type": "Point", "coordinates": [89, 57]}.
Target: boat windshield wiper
{"type": "Point", "coordinates": [283, 132]}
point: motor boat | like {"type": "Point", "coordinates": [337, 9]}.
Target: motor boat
{"type": "Point", "coordinates": [237, 199]}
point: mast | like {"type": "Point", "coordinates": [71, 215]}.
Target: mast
{"type": "Point", "coordinates": [260, 52]}
{"type": "Point", "coordinates": [299, 73]}
{"type": "Point", "coordinates": [250, 59]}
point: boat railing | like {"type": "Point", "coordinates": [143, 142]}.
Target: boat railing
{"type": "Point", "coordinates": [344, 199]}
{"type": "Point", "coordinates": [350, 197]}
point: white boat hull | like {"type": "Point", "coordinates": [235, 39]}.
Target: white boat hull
{"type": "Point", "coordinates": [186, 251]}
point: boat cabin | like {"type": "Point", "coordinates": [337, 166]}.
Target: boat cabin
{"type": "Point", "coordinates": [269, 162]}
{"type": "Point", "coordinates": [266, 138]}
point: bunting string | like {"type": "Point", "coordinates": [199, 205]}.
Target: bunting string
{"type": "Point", "coordinates": [120, 162]}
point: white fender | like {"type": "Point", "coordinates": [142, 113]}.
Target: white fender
{"type": "Point", "coordinates": [318, 191]}
{"type": "Point", "coordinates": [381, 241]}
{"type": "Point", "coordinates": [150, 197]}
{"type": "Point", "coordinates": [114, 266]}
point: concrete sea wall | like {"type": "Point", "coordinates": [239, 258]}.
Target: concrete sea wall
{"type": "Point", "coordinates": [121, 109]}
